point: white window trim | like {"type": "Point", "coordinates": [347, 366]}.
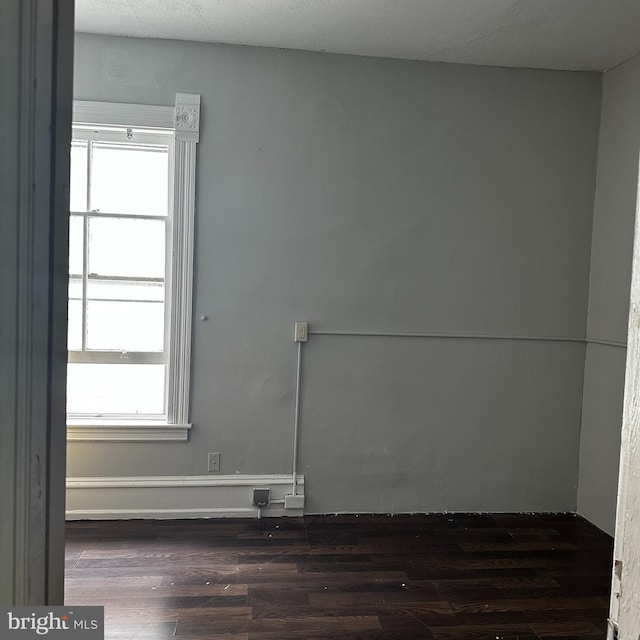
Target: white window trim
{"type": "Point", "coordinates": [183, 120]}
{"type": "Point", "coordinates": [90, 430]}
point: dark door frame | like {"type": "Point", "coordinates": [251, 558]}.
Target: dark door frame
{"type": "Point", "coordinates": [36, 72]}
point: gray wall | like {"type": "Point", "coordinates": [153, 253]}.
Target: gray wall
{"type": "Point", "coordinates": [612, 247]}
{"type": "Point", "coordinates": [9, 142]}
{"type": "Point", "coordinates": [377, 195]}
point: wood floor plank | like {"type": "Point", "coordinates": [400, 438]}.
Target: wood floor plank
{"type": "Point", "coordinates": [361, 609]}
{"type": "Point", "coordinates": [484, 632]}
{"type": "Point", "coordinates": [571, 628]}
{"type": "Point", "coordinates": [519, 546]}
{"type": "Point", "coordinates": [530, 604]}
{"type": "Point", "coordinates": [204, 622]}
{"type": "Point", "coordinates": [372, 577]}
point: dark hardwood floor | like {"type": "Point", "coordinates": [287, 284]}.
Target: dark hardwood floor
{"type": "Point", "coordinates": [450, 576]}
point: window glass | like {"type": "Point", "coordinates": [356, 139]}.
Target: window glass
{"type": "Point", "coordinates": [97, 389]}
{"type": "Point", "coordinates": [125, 326]}
{"type": "Point", "coordinates": [76, 245]}
{"type": "Point", "coordinates": [118, 257]}
{"type": "Point", "coordinates": [78, 188]}
{"type": "Point", "coordinates": [125, 290]}
{"type": "Point", "coordinates": [129, 179]}
{"type": "Point", "coordinates": [74, 334]}
{"type": "Point", "coordinates": [123, 247]}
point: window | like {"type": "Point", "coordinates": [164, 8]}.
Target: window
{"type": "Point", "coordinates": [130, 270]}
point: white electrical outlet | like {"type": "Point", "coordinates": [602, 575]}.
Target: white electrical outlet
{"type": "Point", "coordinates": [300, 331]}
{"type": "Point", "coordinates": [214, 463]}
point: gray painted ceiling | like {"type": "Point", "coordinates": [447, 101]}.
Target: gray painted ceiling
{"type": "Point", "coordinates": [552, 34]}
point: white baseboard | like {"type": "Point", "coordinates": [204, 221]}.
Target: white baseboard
{"type": "Point", "coordinates": [175, 497]}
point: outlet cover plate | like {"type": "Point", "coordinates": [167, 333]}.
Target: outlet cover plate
{"type": "Point", "coordinates": [214, 463]}
{"type": "Point", "coordinates": [261, 496]}
{"type": "Point", "coordinates": [300, 331]}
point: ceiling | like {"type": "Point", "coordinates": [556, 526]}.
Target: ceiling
{"type": "Point", "coordinates": [551, 34]}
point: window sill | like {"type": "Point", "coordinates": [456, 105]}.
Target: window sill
{"type": "Point", "coordinates": [88, 430]}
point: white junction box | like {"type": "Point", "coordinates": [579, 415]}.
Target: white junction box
{"type": "Point", "coordinates": [293, 502]}
{"type": "Point", "coordinates": [300, 331]}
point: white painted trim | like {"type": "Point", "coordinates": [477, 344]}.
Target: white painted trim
{"type": "Point", "coordinates": [114, 114]}
{"type": "Point", "coordinates": [624, 608]}
{"type": "Point", "coordinates": [187, 116]}
{"type": "Point", "coordinates": [160, 514]}
{"type": "Point", "coordinates": [228, 496]}
{"type": "Point", "coordinates": [625, 582]}
{"type": "Point", "coordinates": [238, 480]}
{"type": "Point", "coordinates": [126, 431]}
{"type": "Point", "coordinates": [183, 119]}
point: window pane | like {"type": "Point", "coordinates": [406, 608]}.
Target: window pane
{"type": "Point", "coordinates": [98, 389]}
{"type": "Point", "coordinates": [126, 248]}
{"type": "Point", "coordinates": [129, 178]}
{"type": "Point", "coordinates": [75, 288]}
{"type": "Point", "coordinates": [74, 335]}
{"type": "Point", "coordinates": [76, 245]}
{"type": "Point", "coordinates": [137, 291]}
{"type": "Point", "coordinates": [78, 191]}
{"type": "Point", "coordinates": [125, 326]}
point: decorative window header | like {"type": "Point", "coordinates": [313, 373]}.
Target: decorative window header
{"type": "Point", "coordinates": [183, 118]}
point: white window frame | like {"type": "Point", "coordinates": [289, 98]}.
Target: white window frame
{"type": "Point", "coordinates": [183, 122]}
